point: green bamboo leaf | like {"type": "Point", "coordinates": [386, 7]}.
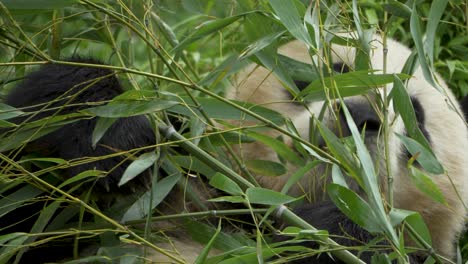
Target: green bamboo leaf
{"type": "Point", "coordinates": [15, 242]}
{"type": "Point", "coordinates": [230, 65]}
{"type": "Point", "coordinates": [403, 106]}
{"type": "Point", "coordinates": [11, 236]}
{"type": "Point", "coordinates": [270, 62]}
{"type": "Point", "coordinates": [435, 14]}
{"type": "Point", "coordinates": [417, 223]}
{"type": "Point", "coordinates": [44, 218]}
{"type": "Point", "coordinates": [426, 185]}
{"type": "Point", "coordinates": [380, 258]}
{"type": "Point", "coordinates": [161, 189]}
{"type": "Point", "coordinates": [338, 150]}
{"type": "Point", "coordinates": [36, 129]}
{"type": "Point", "coordinates": [291, 19]}
{"type": "Point", "coordinates": [354, 207]}
{"type": "Point", "coordinates": [299, 71]}
{"type": "Point", "coordinates": [6, 124]}
{"type": "Point", "coordinates": [258, 195]}
{"type": "Point", "coordinates": [414, 219]}
{"type": "Point", "coordinates": [102, 124]}
{"type": "Point", "coordinates": [266, 167]}
{"type": "Point", "coordinates": [193, 165]}
{"type": "Point", "coordinates": [283, 150]}
{"type": "Point", "coordinates": [369, 179]}
{"type": "Point", "coordinates": [311, 17]}
{"type": "Point", "coordinates": [228, 199]}
{"type": "Point", "coordinates": [218, 110]}
{"type": "Point", "coordinates": [231, 138]}
{"type": "Point", "coordinates": [223, 183]}
{"type": "Point", "coordinates": [52, 160]}
{"type": "Point", "coordinates": [81, 176]}
{"type": "Point", "coordinates": [338, 177]}
{"type": "Point", "coordinates": [7, 112]}
{"type": "Point", "coordinates": [130, 108]}
{"type": "Point", "coordinates": [16, 199]}
{"type": "Point", "coordinates": [298, 175]}
{"type": "Point", "coordinates": [348, 84]}
{"type": "Point", "coordinates": [260, 44]}
{"type": "Point", "coordinates": [138, 166]}
{"type": "Point", "coordinates": [202, 233]}
{"type": "Point", "coordinates": [425, 158]}
{"type": "Point", "coordinates": [416, 33]}
{"type": "Point", "coordinates": [206, 29]}
{"type": "Point", "coordinates": [204, 254]}
{"type": "Point", "coordinates": [397, 9]}
{"type": "Point", "coordinates": [166, 30]}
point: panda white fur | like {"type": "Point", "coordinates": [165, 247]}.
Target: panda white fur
{"type": "Point", "coordinates": [444, 127]}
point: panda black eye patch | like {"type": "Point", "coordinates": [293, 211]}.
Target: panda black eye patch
{"type": "Point", "coordinates": [301, 85]}
{"type": "Point", "coordinates": [420, 117]}
{"type": "Point", "coordinates": [340, 67]}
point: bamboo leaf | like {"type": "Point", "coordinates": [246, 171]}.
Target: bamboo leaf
{"type": "Point", "coordinates": [260, 44]}
{"type": "Point", "coordinates": [145, 204]}
{"type": "Point", "coordinates": [207, 29]}
{"type": "Point", "coordinates": [354, 207]}
{"type": "Point", "coordinates": [258, 195]}
{"type": "Point", "coordinates": [416, 33]}
{"type": "Point", "coordinates": [298, 175]}
{"type": "Point", "coordinates": [348, 84]}
{"type": "Point", "coordinates": [283, 150]}
{"type": "Point", "coordinates": [266, 167]}
{"type": "Point", "coordinates": [81, 176]}
{"type": "Point", "coordinates": [130, 108]}
{"type": "Point", "coordinates": [102, 124]}
{"type": "Point", "coordinates": [402, 105]}
{"type": "Point", "coordinates": [223, 183]}
{"type": "Point", "coordinates": [435, 14]}
{"type": "Point", "coordinates": [138, 166]}
{"type": "Point", "coordinates": [289, 16]}
{"type": "Point", "coordinates": [414, 219]}
{"type": "Point", "coordinates": [228, 199]}
{"type": "Point", "coordinates": [218, 110]}
{"type": "Point", "coordinates": [7, 112]}
{"type": "Point", "coordinates": [425, 158]}
{"type": "Point", "coordinates": [369, 179]}
{"type": "Point", "coordinates": [426, 185]}
{"type": "Point", "coordinates": [204, 254]}
{"type": "Point", "coordinates": [397, 9]}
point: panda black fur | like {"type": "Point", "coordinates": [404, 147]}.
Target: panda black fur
{"type": "Point", "coordinates": [440, 123]}
{"type": "Point", "coordinates": [46, 91]}
{"type": "Point", "coordinates": [77, 86]}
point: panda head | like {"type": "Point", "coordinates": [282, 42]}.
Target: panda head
{"type": "Point", "coordinates": [437, 113]}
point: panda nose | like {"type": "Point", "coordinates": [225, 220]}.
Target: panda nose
{"type": "Point", "coordinates": [364, 117]}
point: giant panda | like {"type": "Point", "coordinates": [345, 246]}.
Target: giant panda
{"type": "Point", "coordinates": [440, 122]}
{"type": "Point", "coordinates": [258, 86]}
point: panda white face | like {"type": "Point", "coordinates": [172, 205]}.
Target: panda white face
{"type": "Point", "coordinates": [437, 113]}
